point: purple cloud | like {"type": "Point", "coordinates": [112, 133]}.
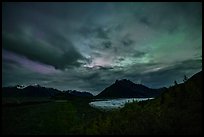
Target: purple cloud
{"type": "Point", "coordinates": [29, 64]}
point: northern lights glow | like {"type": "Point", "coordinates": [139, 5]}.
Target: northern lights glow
{"type": "Point", "coordinates": [87, 46]}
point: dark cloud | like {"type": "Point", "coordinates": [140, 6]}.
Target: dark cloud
{"type": "Point", "coordinates": [127, 42]}
{"type": "Point", "coordinates": [101, 33]}
{"type": "Point", "coordinates": [145, 21]}
{"type": "Point", "coordinates": [95, 31]}
{"type": "Point", "coordinates": [172, 28]}
{"type": "Point", "coordinates": [87, 46]}
{"type": "Point", "coordinates": [121, 59]}
{"type": "Point", "coordinates": [138, 54]}
{"type": "Point", "coordinates": [37, 52]}
{"type": "Point", "coordinates": [170, 15]}
{"type": "Point", "coordinates": [91, 76]}
{"type": "Point", "coordinates": [167, 75]}
{"type": "Point", "coordinates": [105, 68]}
{"type": "Point", "coordinates": [86, 31]}
{"type": "Point", "coordinates": [107, 44]}
{"type": "Point", "coordinates": [190, 64]}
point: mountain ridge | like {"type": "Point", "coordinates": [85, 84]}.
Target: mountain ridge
{"type": "Point", "coordinates": [125, 88]}
{"type": "Point", "coordinates": [39, 91]}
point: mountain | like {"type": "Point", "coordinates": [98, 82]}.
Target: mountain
{"type": "Point", "coordinates": [80, 94]}
{"type": "Point", "coordinates": [20, 86]}
{"type": "Point", "coordinates": [125, 88]}
{"type": "Point", "coordinates": [29, 91]}
{"type": "Point", "coordinates": [10, 91]}
{"type": "Point", "coordinates": [39, 91]}
{"type": "Point", "coordinates": [72, 94]}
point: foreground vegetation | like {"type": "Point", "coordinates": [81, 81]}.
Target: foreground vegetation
{"type": "Point", "coordinates": [177, 111]}
{"type": "Point", "coordinates": [47, 117]}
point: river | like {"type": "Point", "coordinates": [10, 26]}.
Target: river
{"type": "Point", "coordinates": [109, 104]}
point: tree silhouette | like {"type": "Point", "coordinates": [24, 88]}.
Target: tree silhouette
{"type": "Point", "coordinates": [175, 83]}
{"type": "Point", "coordinates": [185, 78]}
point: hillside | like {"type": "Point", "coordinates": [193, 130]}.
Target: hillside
{"type": "Point", "coordinates": [29, 91]}
{"type": "Point", "coordinates": [178, 111]}
{"type": "Point", "coordinates": [19, 95]}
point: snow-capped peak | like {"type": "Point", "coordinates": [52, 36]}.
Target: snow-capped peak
{"type": "Point", "coordinates": [20, 86]}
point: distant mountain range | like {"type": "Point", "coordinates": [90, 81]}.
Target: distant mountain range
{"type": "Point", "coordinates": [120, 89]}
{"type": "Point", "coordinates": [39, 91]}
{"type": "Point", "coordinates": [125, 88]}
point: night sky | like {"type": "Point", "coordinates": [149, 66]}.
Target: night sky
{"type": "Point", "coordinates": [87, 46]}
